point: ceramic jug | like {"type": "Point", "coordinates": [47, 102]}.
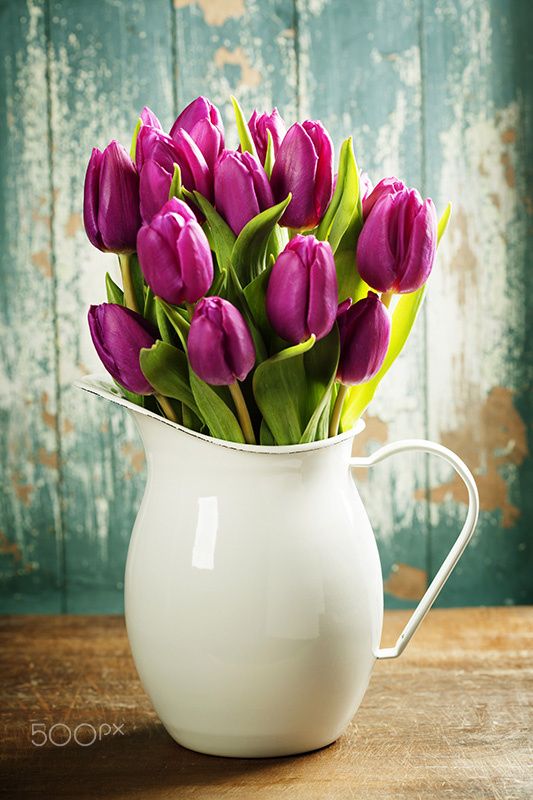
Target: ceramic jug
{"type": "Point", "coordinates": [253, 590]}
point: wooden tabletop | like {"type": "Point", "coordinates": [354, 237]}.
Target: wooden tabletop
{"type": "Point", "coordinates": [451, 718]}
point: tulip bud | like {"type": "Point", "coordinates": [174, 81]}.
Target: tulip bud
{"type": "Point", "coordinates": [304, 167]}
{"type": "Point", "coordinates": [119, 335]}
{"type": "Point", "coordinates": [260, 124]}
{"type": "Point", "coordinates": [149, 118]}
{"type": "Point", "coordinates": [201, 119]}
{"type": "Point", "coordinates": [364, 330]}
{"type": "Point", "coordinates": [155, 155]}
{"type": "Point", "coordinates": [241, 188]}
{"type": "Point", "coordinates": [174, 254]}
{"type": "Point", "coordinates": [384, 187]}
{"type": "Point", "coordinates": [397, 245]}
{"type": "Point", "coordinates": [302, 294]}
{"type": "Point", "coordinates": [111, 200]}
{"type": "Point", "coordinates": [220, 345]}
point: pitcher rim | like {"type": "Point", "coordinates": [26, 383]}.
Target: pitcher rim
{"type": "Point", "coordinates": [101, 386]}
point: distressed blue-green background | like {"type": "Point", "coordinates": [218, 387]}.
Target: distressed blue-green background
{"type": "Point", "coordinates": [438, 93]}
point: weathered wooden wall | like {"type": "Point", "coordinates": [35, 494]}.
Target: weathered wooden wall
{"type": "Point", "coordinates": [439, 93]}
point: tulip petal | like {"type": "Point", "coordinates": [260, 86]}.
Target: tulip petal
{"type": "Point", "coordinates": [375, 258]}
{"type": "Point", "coordinates": [287, 297]}
{"type": "Point", "coordinates": [196, 262]}
{"type": "Point", "coordinates": [420, 255]}
{"type": "Point", "coordinates": [235, 196]}
{"type": "Point", "coordinates": [295, 171]}
{"type": "Point", "coordinates": [154, 188]}
{"type": "Point", "coordinates": [118, 200]}
{"type": "Point", "coordinates": [323, 292]}
{"type": "Point", "coordinates": [90, 199]}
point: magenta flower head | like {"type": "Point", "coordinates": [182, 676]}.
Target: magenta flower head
{"type": "Point", "coordinates": [201, 119]}
{"type": "Point", "coordinates": [111, 200]}
{"type": "Point", "coordinates": [304, 167]}
{"type": "Point", "coordinates": [260, 124]}
{"type": "Point", "coordinates": [242, 189]}
{"type": "Point", "coordinates": [174, 254]}
{"type": "Point", "coordinates": [155, 155]}
{"type": "Point", "coordinates": [119, 335]}
{"type": "Point", "coordinates": [220, 345]}
{"type": "Point", "coordinates": [149, 118]}
{"type": "Point", "coordinates": [397, 245]}
{"type": "Point", "coordinates": [302, 294]}
{"type": "Point", "coordinates": [364, 330]}
{"type": "Point", "coordinates": [372, 195]}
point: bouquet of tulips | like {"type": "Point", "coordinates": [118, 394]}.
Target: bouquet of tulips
{"type": "Point", "coordinates": [263, 296]}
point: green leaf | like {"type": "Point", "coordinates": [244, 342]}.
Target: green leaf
{"type": "Point", "coordinates": [320, 364]}
{"type": "Point", "coordinates": [176, 319]}
{"type": "Point", "coordinates": [344, 203]}
{"type": "Point", "coordinates": [281, 392]}
{"type": "Point", "coordinates": [222, 237]}
{"type": "Point", "coordinates": [443, 222]}
{"type": "Point", "coordinates": [269, 155]}
{"type": "Point", "coordinates": [137, 280]}
{"type": "Point", "coordinates": [114, 292]}
{"type": "Point", "coordinates": [218, 417]}
{"type": "Point", "coordinates": [162, 322]}
{"type": "Point", "coordinates": [133, 146]}
{"type": "Point", "coordinates": [250, 250]}
{"type": "Point", "coordinates": [167, 369]}
{"type": "Point", "coordinates": [245, 137]}
{"type": "Point", "coordinates": [149, 311]}
{"type": "Point", "coordinates": [217, 287]}
{"type": "Point", "coordinates": [265, 435]}
{"type": "Point", "coordinates": [255, 294]}
{"type": "Point", "coordinates": [176, 185]}
{"type": "Point", "coordinates": [403, 319]}
{"type": "Point", "coordinates": [350, 282]}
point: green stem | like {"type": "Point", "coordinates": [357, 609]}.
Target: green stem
{"type": "Point", "coordinates": [337, 410]}
{"type": "Point", "coordinates": [166, 407]}
{"type": "Point", "coordinates": [386, 298]}
{"type": "Point", "coordinates": [242, 413]}
{"type": "Point", "coordinates": [190, 309]}
{"type": "Point", "coordinates": [127, 282]}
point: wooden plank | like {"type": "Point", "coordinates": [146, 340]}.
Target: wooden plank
{"type": "Point", "coordinates": [30, 519]}
{"type": "Point", "coordinates": [237, 47]}
{"type": "Point", "coordinates": [479, 132]}
{"type": "Point", "coordinates": [450, 718]}
{"type": "Point", "coordinates": [360, 74]}
{"type": "Point", "coordinates": [108, 61]}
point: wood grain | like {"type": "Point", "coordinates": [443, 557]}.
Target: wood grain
{"type": "Point", "coordinates": [450, 719]}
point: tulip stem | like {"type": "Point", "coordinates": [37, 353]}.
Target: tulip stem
{"type": "Point", "coordinates": [386, 298]}
{"type": "Point", "coordinates": [130, 300]}
{"type": "Point", "coordinates": [337, 410]}
{"type": "Point", "coordinates": [242, 413]}
{"type": "Point", "coordinates": [166, 407]}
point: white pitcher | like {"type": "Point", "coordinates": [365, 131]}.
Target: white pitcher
{"type": "Point", "coordinates": [253, 592]}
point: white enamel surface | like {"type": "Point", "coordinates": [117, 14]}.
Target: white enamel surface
{"type": "Point", "coordinates": [253, 594]}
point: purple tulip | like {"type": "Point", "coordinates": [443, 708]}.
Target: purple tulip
{"type": "Point", "coordinates": [202, 121]}
{"type": "Point", "coordinates": [260, 124]}
{"type": "Point", "coordinates": [156, 154]}
{"type": "Point", "coordinates": [119, 335]}
{"type": "Point", "coordinates": [111, 200]}
{"type": "Point", "coordinates": [304, 167]}
{"type": "Point", "coordinates": [174, 254]}
{"type": "Point", "coordinates": [384, 187]}
{"type": "Point", "coordinates": [364, 334]}
{"type": "Point", "coordinates": [365, 186]}
{"type": "Point", "coordinates": [241, 188]}
{"type": "Point", "coordinates": [220, 345]}
{"type": "Point", "coordinates": [302, 292]}
{"type": "Point", "coordinates": [149, 118]}
{"type": "Point", "coordinates": [397, 245]}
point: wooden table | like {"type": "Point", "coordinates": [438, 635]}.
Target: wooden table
{"type": "Point", "coordinates": [450, 719]}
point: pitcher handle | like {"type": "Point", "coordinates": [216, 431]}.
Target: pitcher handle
{"type": "Point", "coordinates": [462, 540]}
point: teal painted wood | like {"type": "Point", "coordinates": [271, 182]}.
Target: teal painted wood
{"type": "Point", "coordinates": [108, 60]}
{"type": "Point", "coordinates": [440, 93]}
{"type": "Point", "coordinates": [478, 96]}
{"type": "Point", "coordinates": [30, 520]}
{"type": "Point", "coordinates": [351, 54]}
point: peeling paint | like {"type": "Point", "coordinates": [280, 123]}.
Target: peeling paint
{"type": "Point", "coordinates": [216, 12]}
{"type": "Point", "coordinates": [41, 259]}
{"type": "Point", "coordinates": [73, 224]}
{"type": "Point", "coordinates": [493, 448]}
{"type": "Point", "coordinates": [249, 75]}
{"type": "Point", "coordinates": [48, 459]}
{"type": "Point", "coordinates": [406, 582]}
